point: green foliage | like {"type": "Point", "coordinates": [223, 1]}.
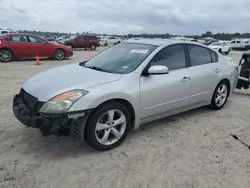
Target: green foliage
{"type": "Point", "coordinates": [219, 36]}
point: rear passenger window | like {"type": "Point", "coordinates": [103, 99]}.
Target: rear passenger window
{"type": "Point", "coordinates": [172, 56]}
{"type": "Point", "coordinates": [214, 56]}
{"type": "Point", "coordinates": [199, 55]}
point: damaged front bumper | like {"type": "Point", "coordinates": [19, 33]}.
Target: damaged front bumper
{"type": "Point", "coordinates": [26, 109]}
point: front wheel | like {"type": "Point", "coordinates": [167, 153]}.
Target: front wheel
{"type": "Point", "coordinates": [108, 126]}
{"type": "Point", "coordinates": [59, 54]}
{"type": "Point", "coordinates": [5, 55]}
{"type": "Point", "coordinates": [220, 95]}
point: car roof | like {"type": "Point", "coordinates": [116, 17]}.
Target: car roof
{"type": "Point", "coordinates": [159, 42]}
{"type": "Point", "coordinates": [20, 34]}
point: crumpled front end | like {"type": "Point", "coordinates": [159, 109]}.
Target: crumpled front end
{"type": "Point", "coordinates": [26, 109]}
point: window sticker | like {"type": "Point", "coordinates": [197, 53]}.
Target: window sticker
{"type": "Point", "coordinates": [140, 51]}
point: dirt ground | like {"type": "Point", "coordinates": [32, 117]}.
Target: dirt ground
{"type": "Point", "coordinates": [190, 150]}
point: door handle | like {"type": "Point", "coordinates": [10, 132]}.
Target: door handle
{"type": "Point", "coordinates": [217, 70]}
{"type": "Point", "coordinates": [185, 79]}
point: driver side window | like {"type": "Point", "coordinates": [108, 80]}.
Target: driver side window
{"type": "Point", "coordinates": [172, 56]}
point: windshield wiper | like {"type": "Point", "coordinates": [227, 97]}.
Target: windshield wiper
{"type": "Point", "coordinates": [98, 69]}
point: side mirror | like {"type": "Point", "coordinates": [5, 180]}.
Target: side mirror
{"type": "Point", "coordinates": [158, 69]}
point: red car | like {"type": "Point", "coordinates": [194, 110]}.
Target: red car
{"type": "Point", "coordinates": [21, 45]}
{"type": "Point", "coordinates": [82, 41]}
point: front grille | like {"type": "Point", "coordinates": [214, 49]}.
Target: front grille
{"type": "Point", "coordinates": [30, 101]}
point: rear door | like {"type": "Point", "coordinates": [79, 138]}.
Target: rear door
{"type": "Point", "coordinates": [204, 70]}
{"type": "Point", "coordinates": [81, 41]}
{"type": "Point", "coordinates": [19, 45]}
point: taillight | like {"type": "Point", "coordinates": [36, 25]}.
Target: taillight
{"type": "Point", "coordinates": [0, 42]}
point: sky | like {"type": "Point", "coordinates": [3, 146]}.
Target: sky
{"type": "Point", "coordinates": [127, 16]}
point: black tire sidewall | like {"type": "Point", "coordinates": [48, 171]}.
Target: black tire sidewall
{"type": "Point", "coordinates": [55, 57]}
{"type": "Point", "coordinates": [71, 46]}
{"type": "Point", "coordinates": [90, 137]}
{"type": "Point", "coordinates": [213, 102]}
{"type": "Point", "coordinates": [10, 54]}
{"type": "Point", "coordinates": [93, 47]}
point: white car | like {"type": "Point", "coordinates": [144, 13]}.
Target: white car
{"type": "Point", "coordinates": [240, 44]}
{"type": "Point", "coordinates": [221, 47]}
{"type": "Point", "coordinates": [7, 31]}
{"type": "Point", "coordinates": [114, 40]}
{"type": "Point", "coordinates": [103, 42]}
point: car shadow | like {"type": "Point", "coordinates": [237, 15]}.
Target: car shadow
{"type": "Point", "coordinates": [69, 147]}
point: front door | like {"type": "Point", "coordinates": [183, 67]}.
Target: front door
{"type": "Point", "coordinates": [205, 71]}
{"type": "Point", "coordinates": [164, 93]}
{"type": "Point", "coordinates": [40, 47]}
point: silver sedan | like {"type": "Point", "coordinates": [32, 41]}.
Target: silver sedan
{"type": "Point", "coordinates": [132, 83]}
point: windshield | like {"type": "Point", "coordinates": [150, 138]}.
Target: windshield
{"type": "Point", "coordinates": [121, 58]}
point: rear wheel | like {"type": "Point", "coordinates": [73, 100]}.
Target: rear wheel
{"type": "Point", "coordinates": [220, 51]}
{"type": "Point", "coordinates": [220, 95]}
{"type": "Point", "coordinates": [59, 54]}
{"type": "Point", "coordinates": [106, 44]}
{"type": "Point", "coordinates": [108, 126]}
{"type": "Point", "coordinates": [5, 55]}
{"type": "Point", "coordinates": [93, 47]}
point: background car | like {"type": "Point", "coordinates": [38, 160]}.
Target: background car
{"type": "Point", "coordinates": [49, 38]}
{"type": "Point", "coordinates": [221, 47]}
{"type": "Point", "coordinates": [242, 44]}
{"type": "Point", "coordinates": [82, 41]}
{"type": "Point", "coordinates": [63, 38]}
{"type": "Point", "coordinates": [103, 42]}
{"type": "Point", "coordinates": [4, 31]}
{"type": "Point", "coordinates": [129, 84]}
{"type": "Point", "coordinates": [114, 40]}
{"type": "Point", "coordinates": [17, 45]}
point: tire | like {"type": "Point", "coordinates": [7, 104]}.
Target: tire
{"type": "Point", "coordinates": [227, 52]}
{"type": "Point", "coordinates": [219, 104]}
{"type": "Point", "coordinates": [106, 44]}
{"type": "Point", "coordinates": [59, 54]}
{"type": "Point", "coordinates": [5, 55]}
{"type": "Point", "coordinates": [93, 47]}
{"type": "Point", "coordinates": [220, 51]}
{"type": "Point", "coordinates": [70, 46]}
{"type": "Point", "coordinates": [104, 139]}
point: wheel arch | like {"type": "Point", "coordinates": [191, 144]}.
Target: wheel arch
{"type": "Point", "coordinates": [124, 102]}
{"type": "Point", "coordinates": [228, 83]}
{"type": "Point", "coordinates": [6, 48]}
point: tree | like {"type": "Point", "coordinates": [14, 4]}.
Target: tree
{"type": "Point", "coordinates": [209, 34]}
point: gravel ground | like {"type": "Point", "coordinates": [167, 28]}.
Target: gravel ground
{"type": "Point", "coordinates": [190, 150]}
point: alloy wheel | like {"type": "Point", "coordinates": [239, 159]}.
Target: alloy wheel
{"type": "Point", "coordinates": [60, 54]}
{"type": "Point", "coordinates": [5, 56]}
{"type": "Point", "coordinates": [221, 95]}
{"type": "Point", "coordinates": [110, 127]}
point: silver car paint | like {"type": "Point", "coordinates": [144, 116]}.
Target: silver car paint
{"type": "Point", "coordinates": [55, 81]}
{"type": "Point", "coordinates": [152, 97]}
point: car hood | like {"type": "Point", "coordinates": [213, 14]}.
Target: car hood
{"type": "Point", "coordinates": [54, 81]}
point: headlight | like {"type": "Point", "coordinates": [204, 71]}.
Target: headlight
{"type": "Point", "coordinates": [61, 103]}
